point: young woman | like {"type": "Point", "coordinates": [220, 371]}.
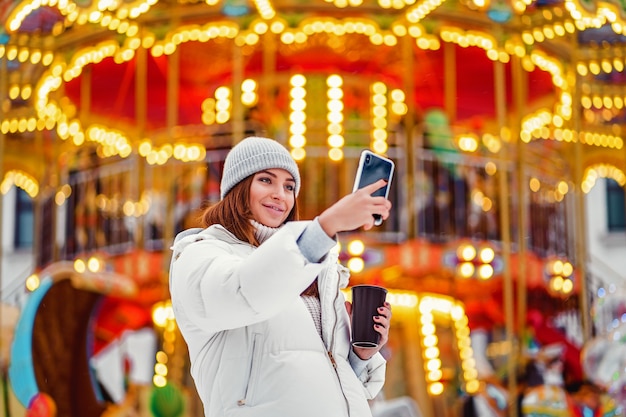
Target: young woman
{"type": "Point", "coordinates": [256, 295]}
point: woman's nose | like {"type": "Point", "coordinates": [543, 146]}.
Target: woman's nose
{"type": "Point", "coordinates": [278, 193]}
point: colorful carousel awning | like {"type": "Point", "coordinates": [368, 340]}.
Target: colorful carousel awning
{"type": "Point", "coordinates": [122, 75]}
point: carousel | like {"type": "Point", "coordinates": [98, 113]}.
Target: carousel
{"type": "Point", "coordinates": [116, 116]}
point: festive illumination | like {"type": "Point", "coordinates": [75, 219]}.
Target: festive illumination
{"type": "Point", "coordinates": [554, 192]}
{"type": "Point", "coordinates": [213, 112]}
{"type": "Point", "coordinates": [335, 116]}
{"type": "Point", "coordinates": [249, 95]}
{"type": "Point", "coordinates": [255, 38]}
{"type": "Point", "coordinates": [62, 195]}
{"type": "Point", "coordinates": [297, 116]}
{"type": "Point", "coordinates": [118, 18]}
{"type": "Point", "coordinates": [356, 247]}
{"type": "Point", "coordinates": [594, 172]}
{"type": "Point", "coordinates": [94, 264]}
{"type": "Point", "coordinates": [356, 264]}
{"type": "Point", "coordinates": [32, 282]}
{"type": "Point", "coordinates": [80, 266]}
{"type": "Point", "coordinates": [21, 180]}
{"type": "Point", "coordinates": [265, 9]}
{"type": "Point", "coordinates": [163, 319]}
{"type": "Point", "coordinates": [467, 142]}
{"type": "Point", "coordinates": [469, 260]}
{"type": "Point", "coordinates": [91, 264]}
{"type": "Point", "coordinates": [223, 104]}
{"type": "Point", "coordinates": [356, 250]}
{"type": "Point", "coordinates": [430, 307]}
{"type": "Point", "coordinates": [559, 276]}
{"type": "Point", "coordinates": [357, 256]}
{"type": "Point", "coordinates": [180, 151]}
{"type": "Point", "coordinates": [379, 116]}
{"type": "Point", "coordinates": [537, 126]}
{"type": "Point", "coordinates": [208, 112]}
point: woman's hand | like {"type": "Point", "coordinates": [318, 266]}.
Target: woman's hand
{"type": "Point", "coordinates": [355, 210]}
{"type": "Point", "coordinates": [382, 321]}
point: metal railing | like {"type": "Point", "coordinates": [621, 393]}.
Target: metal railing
{"type": "Point", "coordinates": [15, 292]}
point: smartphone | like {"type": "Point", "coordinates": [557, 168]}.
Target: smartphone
{"type": "Point", "coordinates": [373, 167]}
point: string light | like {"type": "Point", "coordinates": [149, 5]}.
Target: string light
{"type": "Point", "coordinates": [559, 276]}
{"type": "Point", "coordinates": [468, 260]}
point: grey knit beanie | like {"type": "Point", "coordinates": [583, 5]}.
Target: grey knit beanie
{"type": "Point", "coordinates": [254, 154]}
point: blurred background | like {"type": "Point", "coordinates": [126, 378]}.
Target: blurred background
{"type": "Point", "coordinates": [505, 254]}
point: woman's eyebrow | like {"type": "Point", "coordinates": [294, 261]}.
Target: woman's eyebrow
{"type": "Point", "coordinates": [271, 174]}
{"type": "Point", "coordinates": [266, 172]}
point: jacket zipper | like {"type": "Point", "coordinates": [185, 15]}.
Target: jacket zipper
{"type": "Point", "coordinates": [253, 361]}
{"type": "Point", "coordinates": [332, 359]}
{"type": "Point", "coordinates": [331, 345]}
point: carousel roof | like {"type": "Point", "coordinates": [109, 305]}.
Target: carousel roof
{"type": "Point", "coordinates": [117, 72]}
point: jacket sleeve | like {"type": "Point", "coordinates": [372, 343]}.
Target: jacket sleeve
{"type": "Point", "coordinates": [222, 287]}
{"type": "Point", "coordinates": [314, 242]}
{"type": "Point", "coordinates": [370, 372]}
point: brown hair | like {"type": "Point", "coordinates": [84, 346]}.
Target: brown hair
{"type": "Point", "coordinates": [233, 212]}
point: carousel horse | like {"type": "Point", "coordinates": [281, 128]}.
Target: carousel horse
{"type": "Point", "coordinates": [545, 395]}
{"type": "Point", "coordinates": [491, 399]}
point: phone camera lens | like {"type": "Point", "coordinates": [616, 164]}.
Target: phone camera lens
{"type": "Point", "coordinates": [367, 159]}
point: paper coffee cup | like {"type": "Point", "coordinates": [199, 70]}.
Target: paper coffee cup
{"type": "Point", "coordinates": [365, 302]}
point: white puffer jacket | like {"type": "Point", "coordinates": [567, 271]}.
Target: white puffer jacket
{"type": "Point", "coordinates": [253, 346]}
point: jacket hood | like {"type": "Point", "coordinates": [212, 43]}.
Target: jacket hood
{"type": "Point", "coordinates": [196, 234]}
{"type": "Point", "coordinates": [184, 238]}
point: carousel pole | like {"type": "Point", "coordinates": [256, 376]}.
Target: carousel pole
{"type": "Point", "coordinates": [581, 225]}
{"type": "Point", "coordinates": [520, 88]}
{"type": "Point", "coordinates": [415, 362]}
{"type": "Point", "coordinates": [85, 93]}
{"type": "Point", "coordinates": [173, 186]}
{"type": "Point", "coordinates": [5, 388]}
{"type": "Point", "coordinates": [449, 100]}
{"type": "Point", "coordinates": [268, 82]}
{"type": "Point", "coordinates": [171, 117]}
{"type": "Point", "coordinates": [141, 110]}
{"type": "Point", "coordinates": [85, 113]}
{"type": "Point", "coordinates": [38, 206]}
{"type": "Point", "coordinates": [505, 222]}
{"type": "Point", "coordinates": [238, 116]}
{"type": "Point", "coordinates": [624, 164]}
{"type": "Point", "coordinates": [411, 144]}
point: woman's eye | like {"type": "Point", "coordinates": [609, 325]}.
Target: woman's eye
{"type": "Point", "coordinates": [265, 179]}
{"type": "Point", "coordinates": [290, 187]}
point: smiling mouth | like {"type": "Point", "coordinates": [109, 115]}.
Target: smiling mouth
{"type": "Point", "coordinates": [272, 207]}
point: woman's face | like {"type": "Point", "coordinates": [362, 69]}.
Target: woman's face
{"type": "Point", "coordinates": [272, 196]}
